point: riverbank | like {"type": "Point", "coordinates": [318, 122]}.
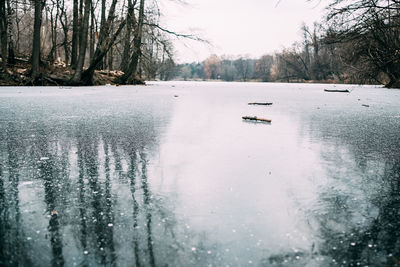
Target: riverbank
{"type": "Point", "coordinates": [18, 74]}
{"type": "Point", "coordinates": [57, 74]}
{"type": "Point", "coordinates": [300, 81]}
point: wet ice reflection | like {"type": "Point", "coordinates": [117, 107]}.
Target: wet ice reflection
{"type": "Point", "coordinates": [122, 177]}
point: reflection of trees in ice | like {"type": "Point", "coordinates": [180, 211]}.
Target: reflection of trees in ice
{"type": "Point", "coordinates": [364, 232]}
{"type": "Point", "coordinates": [88, 198]}
{"type": "Point", "coordinates": [358, 210]}
{"type": "Point", "coordinates": [13, 248]}
{"type": "Point", "coordinates": [94, 203]}
{"type": "Point", "coordinates": [356, 216]}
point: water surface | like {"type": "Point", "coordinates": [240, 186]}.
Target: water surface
{"type": "Point", "coordinates": [170, 175]}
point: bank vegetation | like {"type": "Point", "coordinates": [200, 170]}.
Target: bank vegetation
{"type": "Point", "coordinates": [357, 42]}
{"type": "Point", "coordinates": [87, 42]}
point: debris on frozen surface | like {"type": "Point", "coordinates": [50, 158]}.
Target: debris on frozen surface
{"type": "Point", "coordinates": [337, 91]}
{"type": "Point", "coordinates": [254, 118]}
{"type": "Point", "coordinates": [261, 103]}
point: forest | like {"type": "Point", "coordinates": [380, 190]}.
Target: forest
{"type": "Point", "coordinates": [358, 42]}
{"type": "Point", "coordinates": [83, 42]}
{"type": "Point", "coordinates": [87, 42]}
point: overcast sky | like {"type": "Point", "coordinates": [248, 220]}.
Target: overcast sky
{"type": "Point", "coordinates": [238, 27]}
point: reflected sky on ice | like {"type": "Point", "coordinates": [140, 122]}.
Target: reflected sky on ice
{"type": "Point", "coordinates": [170, 174]}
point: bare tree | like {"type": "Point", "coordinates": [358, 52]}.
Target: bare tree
{"type": "Point", "coordinates": [130, 22]}
{"type": "Point", "coordinates": [38, 5]}
{"type": "Point", "coordinates": [244, 67]}
{"type": "Point", "coordinates": [130, 37]}
{"type": "Point", "coordinates": [75, 34]}
{"type": "Point", "coordinates": [54, 15]}
{"type": "Point", "coordinates": [372, 28]}
{"type": "Point", "coordinates": [3, 34]}
{"type": "Point", "coordinates": [83, 38]}
{"type": "Point", "coordinates": [106, 40]}
{"type": "Point", "coordinates": [129, 75]}
{"type": "Point", "coordinates": [64, 25]}
{"type": "Point", "coordinates": [11, 54]}
{"type": "Point", "coordinates": [263, 67]}
{"type": "Point", "coordinates": [212, 67]}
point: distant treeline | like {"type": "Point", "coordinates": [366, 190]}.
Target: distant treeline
{"type": "Point", "coordinates": [358, 42]}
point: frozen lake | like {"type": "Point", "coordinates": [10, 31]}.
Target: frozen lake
{"type": "Point", "coordinates": [170, 175]}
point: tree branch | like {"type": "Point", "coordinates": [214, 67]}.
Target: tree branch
{"type": "Point", "coordinates": [187, 36]}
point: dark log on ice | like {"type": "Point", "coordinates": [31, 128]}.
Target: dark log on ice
{"type": "Point", "coordinates": [255, 119]}
{"type": "Point", "coordinates": [261, 103]}
{"type": "Point", "coordinates": [337, 91]}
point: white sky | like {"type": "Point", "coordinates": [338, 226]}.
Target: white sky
{"type": "Point", "coordinates": [238, 27]}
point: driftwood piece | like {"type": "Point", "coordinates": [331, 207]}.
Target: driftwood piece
{"type": "Point", "coordinates": [261, 103]}
{"type": "Point", "coordinates": [255, 119]}
{"type": "Point", "coordinates": [337, 91]}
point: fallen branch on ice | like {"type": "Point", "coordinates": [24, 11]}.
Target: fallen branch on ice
{"type": "Point", "coordinates": [255, 119]}
{"type": "Point", "coordinates": [261, 103]}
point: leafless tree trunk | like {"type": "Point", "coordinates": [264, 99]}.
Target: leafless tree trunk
{"type": "Point", "coordinates": [3, 35]}
{"type": "Point", "coordinates": [110, 51]}
{"type": "Point", "coordinates": [102, 22]}
{"type": "Point", "coordinates": [106, 40]}
{"type": "Point", "coordinates": [103, 13]}
{"type": "Point", "coordinates": [83, 38]}
{"type": "Point", "coordinates": [99, 54]}
{"type": "Point", "coordinates": [36, 39]}
{"type": "Point", "coordinates": [130, 21]}
{"type": "Point", "coordinates": [53, 25]}
{"type": "Point", "coordinates": [17, 21]}
{"type": "Point", "coordinates": [92, 39]}
{"type": "Point", "coordinates": [129, 75]}
{"type": "Point", "coordinates": [11, 55]}
{"type": "Point", "coordinates": [64, 24]}
{"type": "Point", "coordinates": [75, 35]}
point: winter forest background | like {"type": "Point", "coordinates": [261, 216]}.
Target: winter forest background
{"type": "Point", "coordinates": [78, 42]}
